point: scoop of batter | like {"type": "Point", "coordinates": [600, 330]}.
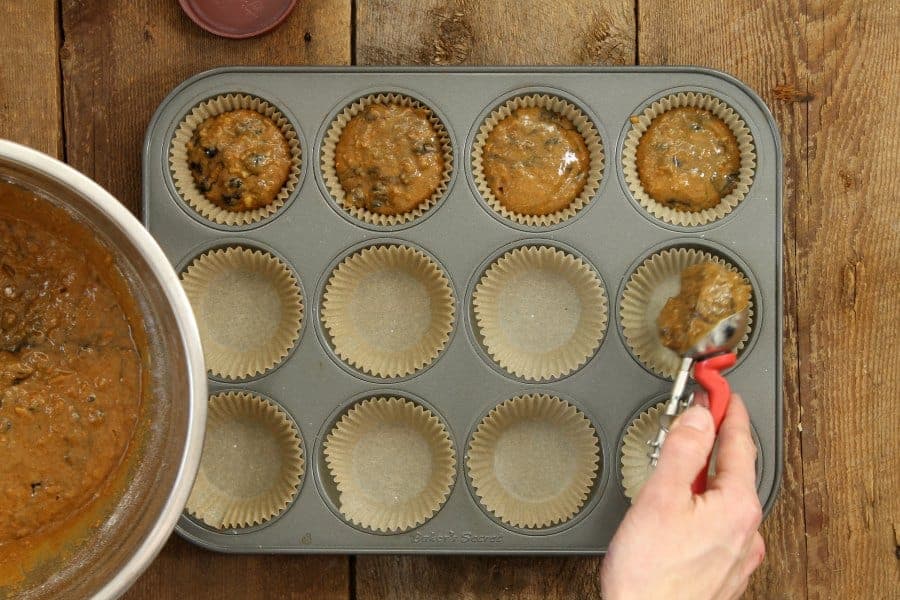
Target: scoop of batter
{"type": "Point", "coordinates": [239, 160]}
{"type": "Point", "coordinates": [709, 292]}
{"type": "Point", "coordinates": [389, 158]}
{"type": "Point", "coordinates": [535, 161]}
{"type": "Point", "coordinates": [688, 159]}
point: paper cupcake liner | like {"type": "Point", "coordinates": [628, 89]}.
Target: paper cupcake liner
{"type": "Point", "coordinates": [249, 310]}
{"type": "Point", "coordinates": [645, 294]}
{"type": "Point", "coordinates": [541, 313]}
{"type": "Point", "coordinates": [635, 460]}
{"type": "Point", "coordinates": [582, 124]}
{"type": "Point", "coordinates": [252, 463]}
{"type": "Point", "coordinates": [333, 184]}
{"type": "Point", "coordinates": [184, 180]}
{"type": "Point", "coordinates": [393, 464]}
{"type": "Point", "coordinates": [533, 461]}
{"type": "Point", "coordinates": [641, 123]}
{"type": "Point", "coordinates": [388, 310]}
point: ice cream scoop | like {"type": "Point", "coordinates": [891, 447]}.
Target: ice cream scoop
{"type": "Point", "coordinates": [710, 355]}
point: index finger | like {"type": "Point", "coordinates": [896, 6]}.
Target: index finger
{"type": "Point", "coordinates": [736, 460]}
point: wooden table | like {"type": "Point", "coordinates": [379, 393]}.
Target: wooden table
{"type": "Point", "coordinates": [80, 80]}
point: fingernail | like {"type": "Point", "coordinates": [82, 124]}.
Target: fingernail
{"type": "Point", "coordinates": [696, 417]}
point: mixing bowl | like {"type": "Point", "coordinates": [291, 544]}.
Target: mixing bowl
{"type": "Point", "coordinates": [107, 557]}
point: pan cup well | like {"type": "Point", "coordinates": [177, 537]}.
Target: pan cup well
{"type": "Point", "coordinates": [490, 167]}
{"type": "Point", "coordinates": [252, 465]}
{"type": "Point", "coordinates": [381, 158]}
{"type": "Point", "coordinates": [540, 312]}
{"type": "Point", "coordinates": [533, 461]}
{"type": "Point", "coordinates": [392, 463]}
{"type": "Point", "coordinates": [249, 309]}
{"type": "Point", "coordinates": [742, 179]}
{"type": "Point", "coordinates": [647, 290]}
{"type": "Point", "coordinates": [388, 310]}
{"type": "Point", "coordinates": [179, 164]}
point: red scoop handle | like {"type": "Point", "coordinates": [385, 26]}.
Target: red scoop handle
{"type": "Point", "coordinates": [708, 374]}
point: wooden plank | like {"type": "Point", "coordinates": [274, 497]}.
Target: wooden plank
{"type": "Point", "coordinates": [449, 32]}
{"type": "Point", "coordinates": [444, 32]}
{"type": "Point", "coordinates": [849, 269]}
{"type": "Point", "coordinates": [186, 571]}
{"type": "Point", "coordinates": [467, 578]}
{"type": "Point", "coordinates": [119, 61]}
{"type": "Point", "coordinates": [30, 111]}
{"type": "Point", "coordinates": [761, 43]}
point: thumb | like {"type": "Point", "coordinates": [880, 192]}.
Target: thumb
{"type": "Point", "coordinates": [686, 449]}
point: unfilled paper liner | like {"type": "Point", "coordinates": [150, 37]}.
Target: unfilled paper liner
{"type": "Point", "coordinates": [533, 461]}
{"type": "Point", "coordinates": [392, 462]}
{"type": "Point", "coordinates": [388, 310]}
{"type": "Point", "coordinates": [252, 463]}
{"type": "Point", "coordinates": [635, 461]}
{"type": "Point", "coordinates": [641, 123]}
{"type": "Point", "coordinates": [329, 174]}
{"type": "Point", "coordinates": [249, 310]}
{"type": "Point", "coordinates": [647, 291]}
{"type": "Point", "coordinates": [540, 312]}
{"type": "Point", "coordinates": [184, 180]}
{"type": "Point", "coordinates": [582, 124]}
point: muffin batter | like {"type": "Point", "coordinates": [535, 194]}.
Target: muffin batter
{"type": "Point", "coordinates": [688, 159]}
{"type": "Point", "coordinates": [535, 162]}
{"type": "Point", "coordinates": [239, 160]}
{"type": "Point", "coordinates": [709, 292]}
{"type": "Point", "coordinates": [389, 159]}
{"type": "Point", "coordinates": [70, 372]}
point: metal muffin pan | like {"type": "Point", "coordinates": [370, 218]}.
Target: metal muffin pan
{"type": "Point", "coordinates": [613, 233]}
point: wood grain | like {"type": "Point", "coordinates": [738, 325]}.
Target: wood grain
{"type": "Point", "coordinates": [187, 571]}
{"type": "Point", "coordinates": [848, 244]}
{"type": "Point", "coordinates": [468, 578]}
{"type": "Point", "coordinates": [762, 44]}
{"type": "Point", "coordinates": [451, 32]}
{"type": "Point", "coordinates": [120, 60]}
{"type": "Point", "coordinates": [472, 32]}
{"type": "Point", "coordinates": [30, 110]}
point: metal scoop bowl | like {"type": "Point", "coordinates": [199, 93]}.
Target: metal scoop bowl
{"type": "Point", "coordinates": [723, 337]}
{"type": "Point", "coordinates": [708, 357]}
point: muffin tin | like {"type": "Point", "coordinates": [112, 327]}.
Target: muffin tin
{"type": "Point", "coordinates": [612, 234]}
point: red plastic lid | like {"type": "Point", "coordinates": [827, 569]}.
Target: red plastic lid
{"type": "Point", "coordinates": [237, 18]}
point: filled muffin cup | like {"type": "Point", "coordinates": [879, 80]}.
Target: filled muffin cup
{"type": "Point", "coordinates": [540, 312]}
{"type": "Point", "coordinates": [249, 310]}
{"type": "Point", "coordinates": [583, 126]}
{"type": "Point", "coordinates": [252, 463]}
{"type": "Point", "coordinates": [533, 461]}
{"type": "Point", "coordinates": [388, 310]}
{"type": "Point", "coordinates": [329, 170]}
{"type": "Point", "coordinates": [393, 464]}
{"type": "Point", "coordinates": [183, 179]}
{"type": "Point", "coordinates": [641, 123]}
{"type": "Point", "coordinates": [648, 289]}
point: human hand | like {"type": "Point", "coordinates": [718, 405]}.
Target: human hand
{"type": "Point", "coordinates": [674, 544]}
